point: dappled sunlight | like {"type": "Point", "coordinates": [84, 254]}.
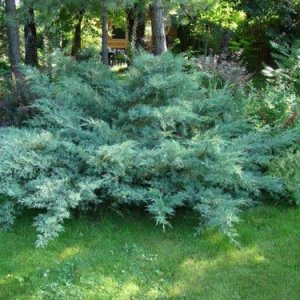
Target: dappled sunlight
{"type": "Point", "coordinates": [129, 290]}
{"type": "Point", "coordinates": [92, 286]}
{"type": "Point", "coordinates": [6, 279]}
{"type": "Point", "coordinates": [245, 255]}
{"type": "Point", "coordinates": [69, 252]}
{"type": "Point", "coordinates": [154, 293]}
{"type": "Point", "coordinates": [106, 285]}
{"type": "Point", "coordinates": [139, 262]}
{"type": "Point", "coordinates": [215, 238]}
{"type": "Point", "coordinates": [196, 266]}
{"type": "Point", "coordinates": [238, 256]}
{"type": "Point", "coordinates": [193, 273]}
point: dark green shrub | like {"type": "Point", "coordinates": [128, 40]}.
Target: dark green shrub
{"type": "Point", "coordinates": [272, 105]}
{"type": "Point", "coordinates": [87, 54]}
{"type": "Point", "coordinates": [288, 168]}
{"type": "Point", "coordinates": [281, 107]}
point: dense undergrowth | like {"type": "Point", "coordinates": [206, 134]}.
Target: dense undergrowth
{"type": "Point", "coordinates": [165, 136]}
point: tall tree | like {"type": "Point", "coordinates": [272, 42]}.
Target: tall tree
{"type": "Point", "coordinates": [3, 35]}
{"type": "Point", "coordinates": [104, 22]}
{"type": "Point", "coordinates": [158, 28]}
{"type": "Point", "coordinates": [13, 37]}
{"type": "Point", "coordinates": [136, 23]}
{"type": "Point", "coordinates": [131, 22]}
{"type": "Point", "coordinates": [141, 26]}
{"type": "Point", "coordinates": [30, 35]}
{"type": "Point", "coordinates": [76, 45]}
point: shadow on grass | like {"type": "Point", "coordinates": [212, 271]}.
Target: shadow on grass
{"type": "Point", "coordinates": [130, 258]}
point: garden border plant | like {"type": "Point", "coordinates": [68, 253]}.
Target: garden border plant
{"type": "Point", "coordinates": [165, 136]}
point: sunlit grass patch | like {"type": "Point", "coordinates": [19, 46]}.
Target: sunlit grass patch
{"type": "Point", "coordinates": [129, 258]}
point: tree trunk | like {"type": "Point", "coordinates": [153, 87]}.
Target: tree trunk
{"type": "Point", "coordinates": [104, 21]}
{"type": "Point", "coordinates": [141, 27]}
{"type": "Point", "coordinates": [205, 42]}
{"type": "Point", "coordinates": [158, 29]}
{"type": "Point", "coordinates": [131, 19]}
{"type": "Point", "coordinates": [225, 41]}
{"type": "Point", "coordinates": [13, 37]}
{"type": "Point", "coordinates": [76, 46]}
{"type": "Point", "coordinates": [136, 25]}
{"type": "Point", "coordinates": [31, 55]}
{"type": "Point", "coordinates": [185, 36]}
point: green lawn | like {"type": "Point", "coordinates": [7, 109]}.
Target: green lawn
{"type": "Point", "coordinates": [130, 258]}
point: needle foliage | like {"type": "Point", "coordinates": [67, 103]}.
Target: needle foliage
{"type": "Point", "coordinates": [167, 135]}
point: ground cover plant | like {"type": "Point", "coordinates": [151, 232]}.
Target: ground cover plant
{"type": "Point", "coordinates": [168, 135]}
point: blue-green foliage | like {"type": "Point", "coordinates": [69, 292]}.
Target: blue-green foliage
{"type": "Point", "coordinates": [165, 136]}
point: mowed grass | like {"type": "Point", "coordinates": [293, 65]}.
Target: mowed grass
{"type": "Point", "coordinates": [130, 258]}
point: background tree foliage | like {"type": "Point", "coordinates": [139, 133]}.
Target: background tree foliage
{"type": "Point", "coordinates": [3, 37]}
{"type": "Point", "coordinates": [239, 28]}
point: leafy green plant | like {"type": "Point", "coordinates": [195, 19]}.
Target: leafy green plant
{"type": "Point", "coordinates": [286, 78]}
{"type": "Point", "coordinates": [87, 54]}
{"type": "Point", "coordinates": [287, 69]}
{"type": "Point", "coordinates": [272, 105]}
{"type": "Point", "coordinates": [284, 85]}
{"type": "Point", "coordinates": [288, 167]}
